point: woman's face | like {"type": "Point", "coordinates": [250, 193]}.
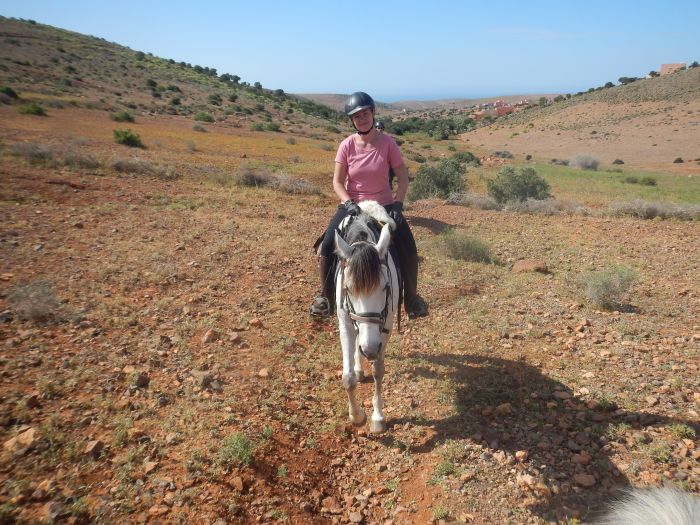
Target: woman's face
{"type": "Point", "coordinates": [363, 120]}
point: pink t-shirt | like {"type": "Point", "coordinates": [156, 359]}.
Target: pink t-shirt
{"type": "Point", "coordinates": [368, 168]}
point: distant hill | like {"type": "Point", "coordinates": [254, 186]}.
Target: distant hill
{"type": "Point", "coordinates": [63, 66]}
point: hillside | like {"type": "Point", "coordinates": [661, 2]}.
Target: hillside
{"type": "Point", "coordinates": [651, 124]}
{"type": "Point", "coordinates": [66, 67]}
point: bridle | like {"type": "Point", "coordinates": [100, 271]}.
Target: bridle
{"type": "Point", "coordinates": [378, 318]}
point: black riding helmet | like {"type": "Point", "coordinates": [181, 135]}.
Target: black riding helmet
{"type": "Point", "coordinates": [379, 125]}
{"type": "Point", "coordinates": [357, 102]}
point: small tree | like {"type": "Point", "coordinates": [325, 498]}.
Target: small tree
{"type": "Point", "coordinates": [653, 74]}
{"type": "Point", "coordinates": [517, 185]}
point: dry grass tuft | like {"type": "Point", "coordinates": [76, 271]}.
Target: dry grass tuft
{"type": "Point", "coordinates": [641, 209]}
{"type": "Point", "coordinates": [459, 245]}
{"type": "Point", "coordinates": [138, 166]}
{"type": "Point", "coordinates": [473, 200]}
{"type": "Point", "coordinates": [35, 301]}
{"type": "Point", "coordinates": [547, 207]}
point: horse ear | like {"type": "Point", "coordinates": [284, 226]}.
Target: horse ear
{"type": "Point", "coordinates": [384, 240]}
{"type": "Point", "coordinates": [342, 248]}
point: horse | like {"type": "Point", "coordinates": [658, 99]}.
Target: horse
{"type": "Point", "coordinates": [367, 299]}
{"type": "Point", "coordinates": [657, 506]}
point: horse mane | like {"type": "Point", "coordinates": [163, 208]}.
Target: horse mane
{"type": "Point", "coordinates": [364, 263]}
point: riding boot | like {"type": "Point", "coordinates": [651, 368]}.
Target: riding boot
{"type": "Point", "coordinates": [322, 304]}
{"type": "Point", "coordinates": [413, 303]}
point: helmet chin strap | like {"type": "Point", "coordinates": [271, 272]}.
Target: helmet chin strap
{"type": "Point", "coordinates": [364, 132]}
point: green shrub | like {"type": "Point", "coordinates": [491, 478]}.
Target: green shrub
{"type": "Point", "coordinates": [438, 180]}
{"type": "Point", "coordinates": [32, 109]}
{"type": "Point", "coordinates": [256, 127]}
{"type": "Point", "coordinates": [203, 116]}
{"type": "Point", "coordinates": [606, 288]}
{"type": "Point", "coordinates": [272, 126]}
{"type": "Point", "coordinates": [127, 138]}
{"type": "Point", "coordinates": [236, 450]}
{"type": "Point", "coordinates": [6, 90]}
{"type": "Point", "coordinates": [459, 245]}
{"type": "Point", "coordinates": [122, 116]}
{"type": "Point", "coordinates": [466, 157]}
{"type": "Point", "coordinates": [199, 128]}
{"type": "Point", "coordinates": [517, 185]}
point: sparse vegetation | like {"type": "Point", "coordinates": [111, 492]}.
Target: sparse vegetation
{"type": "Point", "coordinates": [128, 138]}
{"type": "Point", "coordinates": [438, 180]}
{"type": "Point", "coordinates": [32, 109]}
{"type": "Point", "coordinates": [203, 116]}
{"type": "Point", "coordinates": [608, 288]}
{"type": "Point", "coordinates": [35, 301]}
{"type": "Point", "coordinates": [518, 185]}
{"type": "Point", "coordinates": [584, 162]}
{"type": "Point", "coordinates": [236, 450]}
{"type": "Point", "coordinates": [122, 116]}
{"type": "Point", "coordinates": [460, 245]}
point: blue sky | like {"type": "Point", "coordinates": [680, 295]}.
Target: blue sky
{"type": "Point", "coordinates": [396, 50]}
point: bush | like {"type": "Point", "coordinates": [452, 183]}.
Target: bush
{"type": "Point", "coordinates": [466, 157]}
{"type": "Point", "coordinates": [517, 185]}
{"type": "Point", "coordinates": [291, 141]}
{"type": "Point", "coordinates": [502, 154]}
{"type": "Point", "coordinates": [473, 200]}
{"type": "Point", "coordinates": [618, 161]}
{"type": "Point", "coordinates": [32, 152]}
{"type": "Point", "coordinates": [245, 176]}
{"type": "Point", "coordinates": [35, 302]}
{"type": "Point", "coordinates": [199, 128]}
{"type": "Point", "coordinates": [650, 210]}
{"type": "Point", "coordinates": [294, 186]}
{"type": "Point", "coordinates": [122, 116]}
{"type": "Point", "coordinates": [32, 109]}
{"type": "Point", "coordinates": [438, 180]}
{"type": "Point", "coordinates": [547, 207]}
{"type": "Point", "coordinates": [257, 127]}
{"type": "Point", "coordinates": [236, 450]}
{"type": "Point", "coordinates": [678, 160]}
{"type": "Point", "coordinates": [606, 288]}
{"type": "Point", "coordinates": [8, 91]}
{"type": "Point", "coordinates": [644, 181]}
{"type": "Point", "coordinates": [459, 245]}
{"type": "Point", "coordinates": [203, 116]}
{"type": "Point", "coordinates": [584, 162]}
{"type": "Point", "coordinates": [272, 126]}
{"type": "Point", "coordinates": [127, 138]}
{"type": "Point", "coordinates": [138, 166]}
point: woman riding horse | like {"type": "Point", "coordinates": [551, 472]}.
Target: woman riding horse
{"type": "Point", "coordinates": [361, 173]}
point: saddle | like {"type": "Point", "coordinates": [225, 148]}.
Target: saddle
{"type": "Point", "coordinates": [376, 228]}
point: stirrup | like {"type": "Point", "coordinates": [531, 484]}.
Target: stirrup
{"type": "Point", "coordinates": [416, 307]}
{"type": "Point", "coordinates": [320, 307]}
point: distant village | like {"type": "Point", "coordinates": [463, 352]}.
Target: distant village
{"type": "Point", "coordinates": [499, 108]}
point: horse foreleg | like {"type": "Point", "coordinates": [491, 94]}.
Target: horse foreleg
{"type": "Point", "coordinates": [359, 372]}
{"type": "Point", "coordinates": [347, 342]}
{"type": "Point", "coordinates": [377, 423]}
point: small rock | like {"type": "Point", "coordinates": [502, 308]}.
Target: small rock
{"type": "Point", "coordinates": [236, 482]}
{"type": "Point", "coordinates": [582, 458]}
{"type": "Point", "coordinates": [651, 400]}
{"type": "Point", "coordinates": [158, 510]}
{"type": "Point", "coordinates": [50, 511]}
{"type": "Point", "coordinates": [264, 373]}
{"type": "Point", "coordinates": [22, 442]}
{"type": "Point", "coordinates": [505, 408]}
{"type": "Point", "coordinates": [149, 466]}
{"type": "Point", "coordinates": [210, 336]}
{"type": "Point", "coordinates": [584, 480]}
{"type": "Point", "coordinates": [255, 322]}
{"type": "Point", "coordinates": [355, 517]}
{"type": "Point", "coordinates": [529, 265]}
{"type": "Point", "coordinates": [521, 455]}
{"type": "Point", "coordinates": [203, 379]}
{"type": "Point", "coordinates": [93, 448]}
{"type": "Point", "coordinates": [142, 380]}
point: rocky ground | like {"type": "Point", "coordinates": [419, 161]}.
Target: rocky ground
{"type": "Point", "coordinates": [161, 367]}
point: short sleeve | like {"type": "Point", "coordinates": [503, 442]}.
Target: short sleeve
{"type": "Point", "coordinates": [341, 157]}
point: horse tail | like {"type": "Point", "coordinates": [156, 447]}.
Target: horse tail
{"type": "Point", "coordinates": [658, 506]}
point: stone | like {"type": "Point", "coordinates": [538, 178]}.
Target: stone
{"type": "Point", "coordinates": [584, 480]}
{"type": "Point", "coordinates": [210, 336]}
{"type": "Point", "coordinates": [23, 441]}
{"type": "Point", "coordinates": [149, 466]}
{"type": "Point", "coordinates": [505, 408]}
{"type": "Point", "coordinates": [236, 482]}
{"type": "Point", "coordinates": [521, 455]}
{"type": "Point", "coordinates": [264, 373]}
{"type": "Point", "coordinates": [355, 517]}
{"type": "Point", "coordinates": [158, 510]}
{"type": "Point", "coordinates": [530, 265]}
{"type": "Point", "coordinates": [142, 380]}
{"type": "Point", "coordinates": [93, 448]}
{"type": "Point", "coordinates": [203, 378]}
{"type": "Point", "coordinates": [651, 400]}
{"type": "Point", "coordinates": [255, 322]}
{"type": "Point", "coordinates": [582, 458]}
{"type": "Point", "coordinates": [50, 511]}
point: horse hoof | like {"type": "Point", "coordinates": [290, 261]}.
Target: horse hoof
{"type": "Point", "coordinates": [361, 422]}
{"type": "Point", "coordinates": [377, 426]}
